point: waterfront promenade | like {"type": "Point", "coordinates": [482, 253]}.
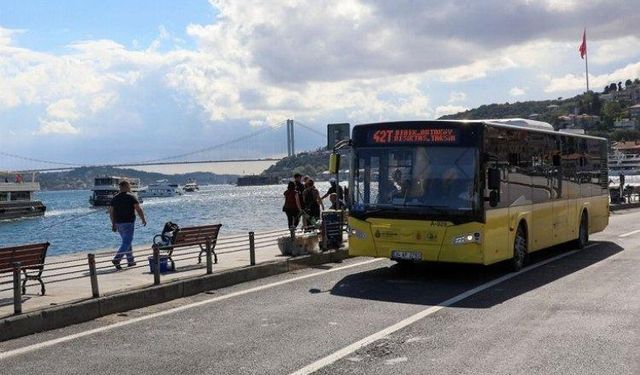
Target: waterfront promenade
{"type": "Point", "coordinates": [67, 276]}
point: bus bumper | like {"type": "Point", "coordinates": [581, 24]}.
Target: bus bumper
{"type": "Point", "coordinates": [435, 241]}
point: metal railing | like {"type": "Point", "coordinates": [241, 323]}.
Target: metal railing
{"type": "Point", "coordinates": [95, 265]}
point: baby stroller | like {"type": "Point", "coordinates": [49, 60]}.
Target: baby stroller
{"type": "Point", "coordinates": [167, 238]}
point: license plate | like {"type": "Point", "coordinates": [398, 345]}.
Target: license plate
{"type": "Point", "coordinates": [406, 255]}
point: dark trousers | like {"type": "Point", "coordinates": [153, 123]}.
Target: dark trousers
{"type": "Point", "coordinates": [293, 217]}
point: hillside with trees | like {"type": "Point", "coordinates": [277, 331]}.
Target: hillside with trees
{"type": "Point", "coordinates": [306, 163]}
{"type": "Point", "coordinates": [603, 109]}
{"type": "Point", "coordinates": [83, 178]}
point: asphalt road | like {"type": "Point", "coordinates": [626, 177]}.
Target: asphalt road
{"type": "Point", "coordinates": [569, 313]}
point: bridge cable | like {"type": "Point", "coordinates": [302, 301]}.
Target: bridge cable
{"type": "Point", "coordinates": [211, 148]}
{"type": "Point", "coordinates": [38, 160]}
{"type": "Point", "coordinates": [309, 128]}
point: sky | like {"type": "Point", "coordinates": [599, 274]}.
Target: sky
{"type": "Point", "coordinates": [120, 81]}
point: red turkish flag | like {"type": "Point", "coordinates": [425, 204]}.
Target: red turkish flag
{"type": "Point", "coordinates": [583, 46]}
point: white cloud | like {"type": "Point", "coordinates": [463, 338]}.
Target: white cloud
{"type": "Point", "coordinates": [5, 35]}
{"type": "Point", "coordinates": [608, 51]}
{"type": "Point", "coordinates": [448, 110]}
{"type": "Point", "coordinates": [576, 83]}
{"type": "Point", "coordinates": [64, 109]}
{"type": "Point", "coordinates": [517, 91]}
{"type": "Point", "coordinates": [56, 127]}
{"type": "Point", "coordinates": [457, 97]}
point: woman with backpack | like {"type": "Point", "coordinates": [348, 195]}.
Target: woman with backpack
{"type": "Point", "coordinates": [292, 205]}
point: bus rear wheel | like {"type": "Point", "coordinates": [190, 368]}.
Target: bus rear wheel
{"type": "Point", "coordinates": [583, 232]}
{"type": "Point", "coordinates": [519, 249]}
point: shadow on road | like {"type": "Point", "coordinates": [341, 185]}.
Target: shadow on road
{"type": "Point", "coordinates": [432, 283]}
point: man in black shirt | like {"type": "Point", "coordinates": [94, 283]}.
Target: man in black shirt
{"type": "Point", "coordinates": [337, 190]}
{"type": "Point", "coordinates": [122, 210]}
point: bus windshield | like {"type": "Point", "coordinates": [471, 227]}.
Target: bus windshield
{"type": "Point", "coordinates": [416, 178]}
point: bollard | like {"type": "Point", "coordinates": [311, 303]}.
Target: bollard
{"type": "Point", "coordinates": [91, 258]}
{"type": "Point", "coordinates": [156, 265]}
{"type": "Point", "coordinates": [209, 261]}
{"type": "Point", "coordinates": [17, 291]}
{"type": "Point", "coordinates": [252, 249]}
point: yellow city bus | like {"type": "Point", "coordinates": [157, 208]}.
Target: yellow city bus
{"type": "Point", "coordinates": [478, 191]}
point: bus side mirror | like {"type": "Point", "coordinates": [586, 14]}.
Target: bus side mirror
{"type": "Point", "coordinates": [494, 198]}
{"type": "Point", "coordinates": [334, 163]}
{"type": "Point", "coordinates": [493, 182]}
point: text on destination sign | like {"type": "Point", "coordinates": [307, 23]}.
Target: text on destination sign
{"type": "Point", "coordinates": [385, 136]}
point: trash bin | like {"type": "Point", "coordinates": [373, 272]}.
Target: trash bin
{"type": "Point", "coordinates": [164, 264]}
{"type": "Point", "coordinates": [331, 229]}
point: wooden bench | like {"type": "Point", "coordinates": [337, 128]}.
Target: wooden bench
{"type": "Point", "coordinates": [31, 258]}
{"type": "Point", "coordinates": [194, 236]}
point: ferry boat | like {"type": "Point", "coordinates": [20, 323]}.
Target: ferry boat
{"type": "Point", "coordinates": [16, 199]}
{"type": "Point", "coordinates": [162, 188]}
{"type": "Point", "coordinates": [627, 164]}
{"type": "Point", "coordinates": [106, 187]}
{"type": "Point", "coordinates": [190, 186]}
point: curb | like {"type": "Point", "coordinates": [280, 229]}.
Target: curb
{"type": "Point", "coordinates": [61, 316]}
{"type": "Point", "coordinates": [625, 206]}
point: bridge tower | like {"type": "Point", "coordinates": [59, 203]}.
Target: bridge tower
{"type": "Point", "coordinates": [291, 150]}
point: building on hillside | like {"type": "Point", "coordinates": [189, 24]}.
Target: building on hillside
{"type": "Point", "coordinates": [626, 147]}
{"type": "Point", "coordinates": [583, 121]}
{"type": "Point", "coordinates": [630, 94]}
{"type": "Point", "coordinates": [625, 123]}
{"type": "Point", "coordinates": [606, 97]}
{"type": "Point", "coordinates": [634, 112]}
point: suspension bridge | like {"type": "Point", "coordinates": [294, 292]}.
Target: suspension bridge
{"type": "Point", "coordinates": [265, 144]}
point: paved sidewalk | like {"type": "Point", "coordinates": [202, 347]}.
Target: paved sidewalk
{"type": "Point", "coordinates": [233, 252]}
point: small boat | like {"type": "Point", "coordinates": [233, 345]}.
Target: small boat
{"type": "Point", "coordinates": [190, 186]}
{"type": "Point", "coordinates": [16, 199]}
{"type": "Point", "coordinates": [106, 187]}
{"type": "Point", "coordinates": [162, 188]}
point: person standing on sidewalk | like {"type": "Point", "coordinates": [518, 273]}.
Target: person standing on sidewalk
{"type": "Point", "coordinates": [122, 210]}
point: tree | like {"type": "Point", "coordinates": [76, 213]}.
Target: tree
{"type": "Point", "coordinates": [613, 87]}
{"type": "Point", "coordinates": [309, 170]}
{"type": "Point", "coordinates": [625, 135]}
{"type": "Point", "coordinates": [636, 81]}
{"type": "Point", "coordinates": [628, 83]}
{"type": "Point", "coordinates": [606, 90]}
{"type": "Point", "coordinates": [611, 111]}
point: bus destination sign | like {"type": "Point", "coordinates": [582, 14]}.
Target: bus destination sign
{"type": "Point", "coordinates": [415, 136]}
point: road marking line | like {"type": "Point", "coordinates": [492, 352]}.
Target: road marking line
{"type": "Point", "coordinates": [45, 344]}
{"type": "Point", "coordinates": [332, 358]}
{"type": "Point", "coordinates": [629, 234]}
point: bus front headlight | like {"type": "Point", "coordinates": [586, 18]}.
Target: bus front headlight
{"type": "Point", "coordinates": [467, 238]}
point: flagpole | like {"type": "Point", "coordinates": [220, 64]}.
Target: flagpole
{"type": "Point", "coordinates": [586, 67]}
{"type": "Point", "coordinates": [586, 57]}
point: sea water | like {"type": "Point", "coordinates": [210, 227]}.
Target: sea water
{"type": "Point", "coordinates": [71, 224]}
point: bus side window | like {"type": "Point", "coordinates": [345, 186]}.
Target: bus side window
{"type": "Point", "coordinates": [570, 164]}
{"type": "Point", "coordinates": [497, 156]}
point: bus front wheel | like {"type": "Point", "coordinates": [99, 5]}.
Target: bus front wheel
{"type": "Point", "coordinates": [519, 249]}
